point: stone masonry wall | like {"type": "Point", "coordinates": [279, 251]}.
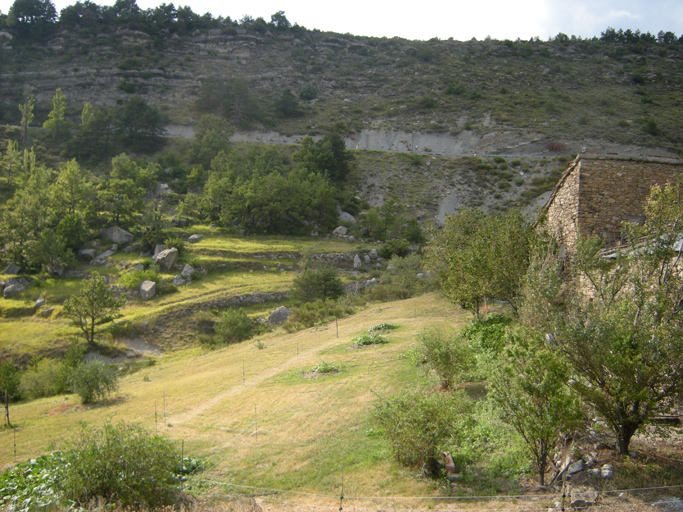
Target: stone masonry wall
{"type": "Point", "coordinates": [562, 213]}
{"type": "Point", "coordinates": [598, 193]}
{"type": "Point", "coordinates": [613, 191]}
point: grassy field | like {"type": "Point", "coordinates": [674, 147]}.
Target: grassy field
{"type": "Point", "coordinates": [254, 414]}
{"type": "Point", "coordinates": [234, 266]}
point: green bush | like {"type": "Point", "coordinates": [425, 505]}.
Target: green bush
{"type": "Point", "coordinates": [447, 355]}
{"type": "Point", "coordinates": [122, 464]}
{"type": "Point", "coordinates": [324, 367]}
{"type": "Point", "coordinates": [488, 335]}
{"type": "Point", "coordinates": [177, 242]}
{"type": "Point", "coordinates": [234, 326]}
{"type": "Point", "coordinates": [133, 280]}
{"type": "Point", "coordinates": [371, 338]}
{"type": "Point", "coordinates": [308, 92]}
{"type": "Point", "coordinates": [43, 378]}
{"type": "Point", "coordinates": [315, 313]}
{"type": "Point", "coordinates": [395, 247]}
{"type": "Point", "coordinates": [94, 380]}
{"type": "Point", "coordinates": [416, 425]}
{"type": "Point", "coordinates": [384, 326]}
{"type": "Point", "coordinates": [317, 284]}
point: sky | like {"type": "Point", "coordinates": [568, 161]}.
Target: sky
{"type": "Point", "coordinates": [460, 19]}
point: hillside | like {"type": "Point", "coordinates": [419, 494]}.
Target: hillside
{"type": "Point", "coordinates": [616, 90]}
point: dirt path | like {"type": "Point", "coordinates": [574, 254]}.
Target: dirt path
{"type": "Point", "coordinates": [250, 383]}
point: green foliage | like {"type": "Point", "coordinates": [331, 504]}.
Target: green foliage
{"type": "Point", "coordinates": [140, 126]}
{"type": "Point", "coordinates": [447, 355]}
{"type": "Point", "coordinates": [477, 256]}
{"type": "Point", "coordinates": [327, 156]}
{"type": "Point", "coordinates": [308, 92]}
{"type": "Point", "coordinates": [370, 338]}
{"type": "Point", "coordinates": [55, 126]}
{"type": "Point", "coordinates": [234, 326]}
{"type": "Point", "coordinates": [133, 280]}
{"type": "Point", "coordinates": [309, 314]}
{"type": "Point", "coordinates": [287, 105]}
{"type": "Point", "coordinates": [400, 279]}
{"type": "Point", "coordinates": [10, 379]}
{"type": "Point", "coordinates": [395, 247]}
{"type": "Point", "coordinates": [416, 425]}
{"type": "Point", "coordinates": [33, 485]}
{"type": "Point", "coordinates": [529, 386]}
{"type": "Point", "coordinates": [325, 367]}
{"type": "Point", "coordinates": [95, 304]}
{"type": "Point", "coordinates": [624, 346]}
{"type": "Point", "coordinates": [234, 99]}
{"type": "Point", "coordinates": [488, 335]}
{"type": "Point", "coordinates": [383, 327]}
{"type": "Point", "coordinates": [177, 242]}
{"type": "Point", "coordinates": [122, 464]}
{"type": "Point", "coordinates": [94, 380]}
{"type": "Point", "coordinates": [317, 284]}
{"type": "Point", "coordinates": [43, 378]}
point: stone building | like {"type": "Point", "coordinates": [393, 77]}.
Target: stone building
{"type": "Point", "coordinates": [597, 193]}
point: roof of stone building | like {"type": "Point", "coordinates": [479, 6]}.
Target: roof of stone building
{"type": "Point", "coordinates": [597, 156]}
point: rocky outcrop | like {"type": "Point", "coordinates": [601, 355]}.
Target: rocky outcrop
{"type": "Point", "coordinates": [167, 258]}
{"type": "Point", "coordinates": [117, 235]}
{"type": "Point", "coordinates": [279, 316]}
{"type": "Point", "coordinates": [195, 238]}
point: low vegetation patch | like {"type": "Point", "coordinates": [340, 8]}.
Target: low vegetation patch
{"type": "Point", "coordinates": [370, 338]}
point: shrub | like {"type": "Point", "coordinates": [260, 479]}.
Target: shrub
{"type": "Point", "coordinates": [317, 284]}
{"type": "Point", "coordinates": [42, 379]}
{"type": "Point", "coordinates": [133, 280]}
{"type": "Point", "coordinates": [556, 146]}
{"type": "Point", "coordinates": [324, 367]}
{"type": "Point", "coordinates": [447, 355]}
{"type": "Point", "coordinates": [395, 247]}
{"type": "Point", "coordinates": [177, 242]}
{"type": "Point", "coordinates": [384, 326]}
{"type": "Point", "coordinates": [315, 313]}
{"type": "Point", "coordinates": [94, 380]}
{"type": "Point", "coordinates": [122, 464]}
{"type": "Point", "coordinates": [488, 334]}
{"type": "Point", "coordinates": [417, 424]}
{"type": "Point", "coordinates": [234, 326]}
{"type": "Point", "coordinates": [308, 92]}
{"type": "Point", "coordinates": [371, 338]}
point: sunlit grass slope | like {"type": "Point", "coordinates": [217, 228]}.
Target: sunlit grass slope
{"type": "Point", "coordinates": [254, 415]}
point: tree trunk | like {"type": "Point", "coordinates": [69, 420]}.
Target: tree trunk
{"type": "Point", "coordinates": [624, 435]}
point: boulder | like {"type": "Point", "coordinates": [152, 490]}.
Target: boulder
{"type": "Point", "coordinates": [356, 261]}
{"type": "Point", "coordinates": [102, 257]}
{"type": "Point", "coordinates": [371, 282]}
{"type": "Point", "coordinates": [315, 233]}
{"type": "Point", "coordinates": [157, 249]}
{"type": "Point", "coordinates": [366, 259]}
{"type": "Point", "coordinates": [11, 270]}
{"type": "Point", "coordinates": [12, 290]}
{"type": "Point", "coordinates": [575, 467]}
{"type": "Point", "coordinates": [669, 504]}
{"type": "Point", "coordinates": [148, 289]}
{"type": "Point", "coordinates": [167, 258]}
{"type": "Point", "coordinates": [195, 238]}
{"type": "Point", "coordinates": [46, 312]}
{"type": "Point", "coordinates": [346, 217]}
{"type": "Point", "coordinates": [178, 281]}
{"type": "Point", "coordinates": [87, 254]}
{"type": "Point", "coordinates": [117, 235]}
{"type": "Point", "coordinates": [279, 316]}
{"type": "Point", "coordinates": [138, 266]}
{"type": "Point", "coordinates": [373, 254]}
{"type": "Point", "coordinates": [187, 271]}
{"type": "Point", "coordinates": [340, 231]}
{"type": "Point", "coordinates": [40, 302]}
{"type": "Point", "coordinates": [581, 498]}
{"type": "Point", "coordinates": [607, 471]}
{"type": "Point", "coordinates": [351, 238]}
{"type": "Point", "coordinates": [378, 266]}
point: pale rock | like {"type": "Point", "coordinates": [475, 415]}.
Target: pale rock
{"type": "Point", "coordinates": [195, 238]}
{"type": "Point", "coordinates": [340, 231]}
{"type": "Point", "coordinates": [40, 302]}
{"type": "Point", "coordinates": [373, 254]}
{"type": "Point", "coordinates": [583, 497]}
{"type": "Point", "coordinates": [46, 312]}
{"type": "Point", "coordinates": [117, 235]}
{"type": "Point", "coordinates": [167, 258]}
{"type": "Point", "coordinates": [178, 281]}
{"type": "Point", "coordinates": [87, 254]}
{"type": "Point", "coordinates": [346, 217]}
{"type": "Point", "coordinates": [279, 316]}
{"type": "Point", "coordinates": [12, 269]}
{"type": "Point", "coordinates": [148, 290]}
{"type": "Point", "coordinates": [12, 290]}
{"type": "Point", "coordinates": [102, 258]}
{"type": "Point", "coordinates": [356, 261]}
{"type": "Point", "coordinates": [187, 271]}
{"type": "Point", "coordinates": [157, 249]}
